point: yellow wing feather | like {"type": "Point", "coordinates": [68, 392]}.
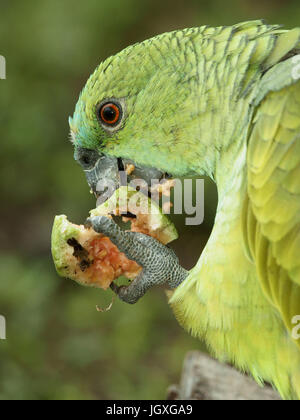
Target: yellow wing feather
{"type": "Point", "coordinates": [272, 208]}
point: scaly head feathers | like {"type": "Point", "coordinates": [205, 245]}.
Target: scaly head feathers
{"type": "Point", "coordinates": [183, 96]}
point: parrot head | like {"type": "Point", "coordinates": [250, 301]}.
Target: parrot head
{"type": "Point", "coordinates": [169, 105]}
{"type": "Point", "coordinates": [137, 107]}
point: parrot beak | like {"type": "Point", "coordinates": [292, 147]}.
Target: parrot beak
{"type": "Point", "coordinates": [104, 178]}
{"type": "Point", "coordinates": [109, 173]}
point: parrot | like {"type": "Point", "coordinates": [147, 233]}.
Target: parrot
{"type": "Point", "coordinates": [221, 102]}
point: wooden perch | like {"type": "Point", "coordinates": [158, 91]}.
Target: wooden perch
{"type": "Point", "coordinates": [203, 378]}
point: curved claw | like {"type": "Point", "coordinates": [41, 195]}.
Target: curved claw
{"type": "Point", "coordinates": [135, 290]}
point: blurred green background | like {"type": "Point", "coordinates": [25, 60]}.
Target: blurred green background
{"type": "Point", "coordinates": [58, 346]}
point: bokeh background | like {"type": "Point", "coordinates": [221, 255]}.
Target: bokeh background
{"type": "Point", "coordinates": [58, 346]}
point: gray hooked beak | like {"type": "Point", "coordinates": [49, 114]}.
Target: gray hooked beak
{"type": "Point", "coordinates": [105, 174]}
{"type": "Point", "coordinates": [104, 178]}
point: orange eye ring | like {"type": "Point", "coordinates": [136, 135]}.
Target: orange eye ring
{"type": "Point", "coordinates": [110, 113]}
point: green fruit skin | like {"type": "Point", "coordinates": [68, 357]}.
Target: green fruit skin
{"type": "Point", "coordinates": [63, 230]}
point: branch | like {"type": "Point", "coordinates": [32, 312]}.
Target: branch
{"type": "Point", "coordinates": [203, 378]}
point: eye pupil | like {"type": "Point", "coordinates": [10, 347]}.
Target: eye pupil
{"type": "Point", "coordinates": [110, 113]}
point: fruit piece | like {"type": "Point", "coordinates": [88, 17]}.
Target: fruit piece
{"type": "Point", "coordinates": [149, 216]}
{"type": "Point", "coordinates": [92, 259]}
{"type": "Point", "coordinates": [130, 168]}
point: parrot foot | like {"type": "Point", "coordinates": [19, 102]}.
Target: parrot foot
{"type": "Point", "coordinates": [159, 262]}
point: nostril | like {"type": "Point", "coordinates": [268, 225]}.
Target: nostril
{"type": "Point", "coordinates": [85, 157]}
{"type": "Point", "coordinates": [86, 160]}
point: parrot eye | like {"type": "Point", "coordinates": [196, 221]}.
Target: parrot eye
{"type": "Point", "coordinates": [110, 113]}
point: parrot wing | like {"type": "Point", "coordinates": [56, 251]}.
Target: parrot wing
{"type": "Point", "coordinates": [271, 214]}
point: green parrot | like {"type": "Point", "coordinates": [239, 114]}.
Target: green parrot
{"type": "Point", "coordinates": [222, 102]}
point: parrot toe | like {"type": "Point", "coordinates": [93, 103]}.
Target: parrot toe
{"type": "Point", "coordinates": [159, 262]}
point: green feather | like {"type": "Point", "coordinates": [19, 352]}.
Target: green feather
{"type": "Point", "coordinates": [221, 102]}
